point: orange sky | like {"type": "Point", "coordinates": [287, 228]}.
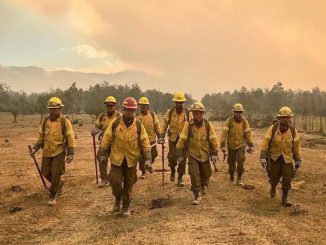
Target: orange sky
{"type": "Point", "coordinates": [202, 45]}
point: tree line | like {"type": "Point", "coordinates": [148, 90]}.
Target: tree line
{"type": "Point", "coordinates": [261, 105]}
{"type": "Point", "coordinates": [77, 100]}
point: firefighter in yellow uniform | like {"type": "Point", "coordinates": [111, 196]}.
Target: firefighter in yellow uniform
{"type": "Point", "coordinates": [56, 138]}
{"type": "Point", "coordinates": [126, 137]}
{"type": "Point", "coordinates": [281, 153]}
{"type": "Point", "coordinates": [175, 119]}
{"type": "Point", "coordinates": [236, 133]}
{"type": "Point", "coordinates": [152, 125]}
{"type": "Point", "coordinates": [103, 121]}
{"type": "Point", "coordinates": [199, 140]}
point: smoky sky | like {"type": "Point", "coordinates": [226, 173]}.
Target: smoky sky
{"type": "Point", "coordinates": [204, 46]}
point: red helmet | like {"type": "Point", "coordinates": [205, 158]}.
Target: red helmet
{"type": "Point", "coordinates": [130, 103]}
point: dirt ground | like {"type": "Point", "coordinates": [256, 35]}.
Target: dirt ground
{"type": "Point", "coordinates": [228, 214]}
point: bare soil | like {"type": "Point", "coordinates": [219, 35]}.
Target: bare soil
{"type": "Point", "coordinates": [228, 214]}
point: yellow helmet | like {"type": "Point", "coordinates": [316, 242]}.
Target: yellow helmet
{"type": "Point", "coordinates": [110, 99]}
{"type": "Point", "coordinates": [285, 112]}
{"type": "Point", "coordinates": [197, 106]}
{"type": "Point", "coordinates": [54, 102]}
{"type": "Point", "coordinates": [179, 97]}
{"type": "Point", "coordinates": [143, 101]}
{"type": "Point", "coordinates": [238, 107]}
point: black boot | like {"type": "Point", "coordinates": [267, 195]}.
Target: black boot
{"type": "Point", "coordinates": [116, 206]}
{"type": "Point", "coordinates": [239, 180]}
{"type": "Point", "coordinates": [143, 174]}
{"type": "Point", "coordinates": [125, 208]}
{"type": "Point", "coordinates": [180, 181]}
{"type": "Point", "coordinates": [197, 198]}
{"type": "Point", "coordinates": [172, 174]}
{"type": "Point", "coordinates": [272, 191]}
{"type": "Point", "coordinates": [203, 190]}
{"type": "Point", "coordinates": [285, 201]}
{"type": "Point", "coordinates": [231, 177]}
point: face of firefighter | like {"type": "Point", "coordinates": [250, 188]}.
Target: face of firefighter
{"type": "Point", "coordinates": [110, 108]}
{"type": "Point", "coordinates": [144, 109]}
{"type": "Point", "coordinates": [198, 116]}
{"type": "Point", "coordinates": [128, 113]}
{"type": "Point", "coordinates": [237, 115]}
{"type": "Point", "coordinates": [54, 113]}
{"type": "Point", "coordinates": [179, 106]}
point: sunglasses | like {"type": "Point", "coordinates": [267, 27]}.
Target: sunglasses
{"type": "Point", "coordinates": [110, 105]}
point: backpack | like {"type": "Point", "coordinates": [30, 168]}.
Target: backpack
{"type": "Point", "coordinates": [207, 126]}
{"type": "Point", "coordinates": [118, 120]}
{"type": "Point", "coordinates": [63, 128]}
{"type": "Point", "coordinates": [231, 120]}
{"type": "Point", "coordinates": [138, 125]}
{"type": "Point", "coordinates": [171, 112]}
{"type": "Point", "coordinates": [101, 117]}
{"type": "Point", "coordinates": [151, 112]}
{"type": "Point", "coordinates": [274, 129]}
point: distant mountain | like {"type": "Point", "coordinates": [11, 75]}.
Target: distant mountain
{"type": "Point", "coordinates": [35, 79]}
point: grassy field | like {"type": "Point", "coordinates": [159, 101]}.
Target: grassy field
{"type": "Point", "coordinates": [228, 214]}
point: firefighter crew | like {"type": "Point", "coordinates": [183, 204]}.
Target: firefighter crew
{"type": "Point", "coordinates": [175, 119]}
{"type": "Point", "coordinates": [151, 123]}
{"type": "Point", "coordinates": [199, 140]}
{"type": "Point", "coordinates": [236, 133]}
{"type": "Point", "coordinates": [56, 138]}
{"type": "Point", "coordinates": [126, 137]}
{"type": "Point", "coordinates": [280, 150]}
{"type": "Point", "coordinates": [101, 125]}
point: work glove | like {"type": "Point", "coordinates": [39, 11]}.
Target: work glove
{"type": "Point", "coordinates": [148, 164]}
{"type": "Point", "coordinates": [263, 163]}
{"type": "Point", "coordinates": [70, 155]}
{"type": "Point", "coordinates": [297, 164]}
{"type": "Point", "coordinates": [35, 148]}
{"type": "Point", "coordinates": [215, 158]}
{"type": "Point", "coordinates": [103, 154]}
{"type": "Point", "coordinates": [69, 158]}
{"type": "Point", "coordinates": [150, 169]}
{"type": "Point", "coordinates": [95, 131]}
{"type": "Point", "coordinates": [225, 153]}
{"type": "Point", "coordinates": [180, 159]}
{"type": "Point", "coordinates": [251, 150]}
{"type": "Point", "coordinates": [161, 141]}
{"type": "Point", "coordinates": [102, 159]}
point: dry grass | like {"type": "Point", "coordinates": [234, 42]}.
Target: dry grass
{"type": "Point", "coordinates": [227, 215]}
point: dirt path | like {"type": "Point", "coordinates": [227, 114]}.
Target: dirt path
{"type": "Point", "coordinates": [228, 214]}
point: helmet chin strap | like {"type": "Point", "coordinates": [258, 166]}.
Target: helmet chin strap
{"type": "Point", "coordinates": [179, 109]}
{"type": "Point", "coordinates": [110, 113]}
{"type": "Point", "coordinates": [53, 117]}
{"type": "Point", "coordinates": [128, 121]}
{"type": "Point", "coordinates": [238, 118]}
{"type": "Point", "coordinates": [284, 127]}
{"type": "Point", "coordinates": [198, 122]}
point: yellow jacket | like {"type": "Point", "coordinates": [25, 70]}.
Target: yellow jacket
{"type": "Point", "coordinates": [125, 143]}
{"type": "Point", "coordinates": [52, 139]}
{"type": "Point", "coordinates": [282, 144]}
{"type": "Point", "coordinates": [199, 142]}
{"type": "Point", "coordinates": [104, 120]}
{"type": "Point", "coordinates": [175, 125]}
{"type": "Point", "coordinates": [236, 134]}
{"type": "Point", "coordinates": [151, 124]}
